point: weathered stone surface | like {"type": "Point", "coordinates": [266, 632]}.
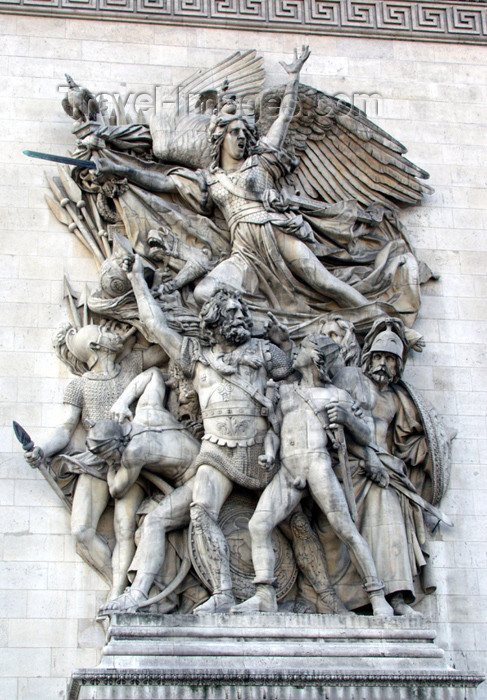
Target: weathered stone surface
{"type": "Point", "coordinates": [34, 304]}
{"type": "Point", "coordinates": [270, 656]}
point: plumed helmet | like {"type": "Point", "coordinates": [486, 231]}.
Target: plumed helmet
{"type": "Point", "coordinates": [387, 341]}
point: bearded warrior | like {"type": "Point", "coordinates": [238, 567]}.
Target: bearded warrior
{"type": "Point", "coordinates": [392, 470]}
{"type": "Point", "coordinates": [230, 375]}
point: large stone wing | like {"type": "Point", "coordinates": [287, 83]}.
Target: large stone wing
{"type": "Point", "coordinates": [343, 155]}
{"type": "Point", "coordinates": [180, 137]}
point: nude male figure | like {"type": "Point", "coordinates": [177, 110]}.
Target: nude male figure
{"type": "Point", "coordinates": [153, 440]}
{"type": "Point", "coordinates": [309, 410]}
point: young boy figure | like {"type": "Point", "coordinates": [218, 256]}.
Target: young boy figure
{"type": "Point", "coordinates": [308, 410]}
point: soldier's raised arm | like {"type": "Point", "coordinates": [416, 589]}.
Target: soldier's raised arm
{"type": "Point", "coordinates": [151, 315]}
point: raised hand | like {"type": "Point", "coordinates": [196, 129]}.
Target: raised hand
{"type": "Point", "coordinates": [275, 331]}
{"type": "Point", "coordinates": [132, 265]}
{"type": "Point", "coordinates": [294, 68]}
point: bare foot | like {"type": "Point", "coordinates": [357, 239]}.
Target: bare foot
{"type": "Point", "coordinates": [380, 606]}
{"type": "Point", "coordinates": [264, 600]}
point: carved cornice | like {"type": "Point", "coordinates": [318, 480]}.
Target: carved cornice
{"type": "Point", "coordinates": [150, 677]}
{"type": "Point", "coordinates": [441, 21]}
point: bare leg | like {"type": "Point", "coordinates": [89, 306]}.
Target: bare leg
{"type": "Point", "coordinates": [90, 500]}
{"type": "Point", "coordinates": [305, 265]}
{"type": "Point", "coordinates": [124, 526]}
{"type": "Point", "coordinates": [171, 514]}
{"type": "Point", "coordinates": [278, 500]}
{"type": "Point", "coordinates": [211, 490]}
{"type": "Point", "coordinates": [327, 492]}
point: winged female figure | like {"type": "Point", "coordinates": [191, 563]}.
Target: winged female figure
{"type": "Point", "coordinates": [300, 256]}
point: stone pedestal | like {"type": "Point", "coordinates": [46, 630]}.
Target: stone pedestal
{"type": "Point", "coordinates": [270, 657]}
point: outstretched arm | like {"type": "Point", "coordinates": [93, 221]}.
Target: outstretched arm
{"type": "Point", "coordinates": [150, 313]}
{"type": "Point", "coordinates": [150, 180]}
{"type": "Point", "coordinates": [59, 439]}
{"type": "Point", "coordinates": [278, 131]}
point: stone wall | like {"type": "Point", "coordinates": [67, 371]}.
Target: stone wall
{"type": "Point", "coordinates": [432, 97]}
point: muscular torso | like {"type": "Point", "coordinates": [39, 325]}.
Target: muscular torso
{"type": "Point", "coordinates": [231, 388]}
{"type": "Point", "coordinates": [166, 451]}
{"type": "Point", "coordinates": [228, 412]}
{"type": "Point", "coordinates": [302, 431]}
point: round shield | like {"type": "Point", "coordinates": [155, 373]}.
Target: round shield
{"type": "Point", "coordinates": [234, 522]}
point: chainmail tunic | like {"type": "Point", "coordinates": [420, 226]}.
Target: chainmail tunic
{"type": "Point", "coordinates": [96, 394]}
{"type": "Point", "coordinates": [240, 464]}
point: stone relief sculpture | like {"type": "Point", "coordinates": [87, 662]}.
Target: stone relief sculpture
{"type": "Point", "coordinates": [305, 462]}
{"type": "Point", "coordinates": [239, 364]}
{"type": "Point", "coordinates": [88, 399]}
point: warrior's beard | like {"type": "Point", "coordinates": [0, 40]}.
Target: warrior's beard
{"type": "Point", "coordinates": [237, 332]}
{"type": "Point", "coordinates": [381, 375]}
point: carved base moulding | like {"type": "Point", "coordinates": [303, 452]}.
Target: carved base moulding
{"type": "Point", "coordinates": [272, 656]}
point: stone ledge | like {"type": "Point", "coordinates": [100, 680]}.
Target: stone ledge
{"type": "Point", "coordinates": [438, 21]}
{"type": "Point", "coordinates": [145, 685]}
{"type": "Point", "coordinates": [269, 656]}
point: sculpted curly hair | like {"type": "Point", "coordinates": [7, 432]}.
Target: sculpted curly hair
{"type": "Point", "coordinates": [212, 314]}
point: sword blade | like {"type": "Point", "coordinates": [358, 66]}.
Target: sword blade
{"type": "Point", "coordinates": [23, 436]}
{"type": "Point", "coordinates": [62, 159]}
{"type": "Point", "coordinates": [416, 498]}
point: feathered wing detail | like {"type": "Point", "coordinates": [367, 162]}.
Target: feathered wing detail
{"type": "Point", "coordinates": [180, 137]}
{"type": "Point", "coordinates": [343, 155]}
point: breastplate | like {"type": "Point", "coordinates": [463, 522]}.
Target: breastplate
{"type": "Point", "coordinates": [253, 178]}
{"type": "Point", "coordinates": [233, 424]}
